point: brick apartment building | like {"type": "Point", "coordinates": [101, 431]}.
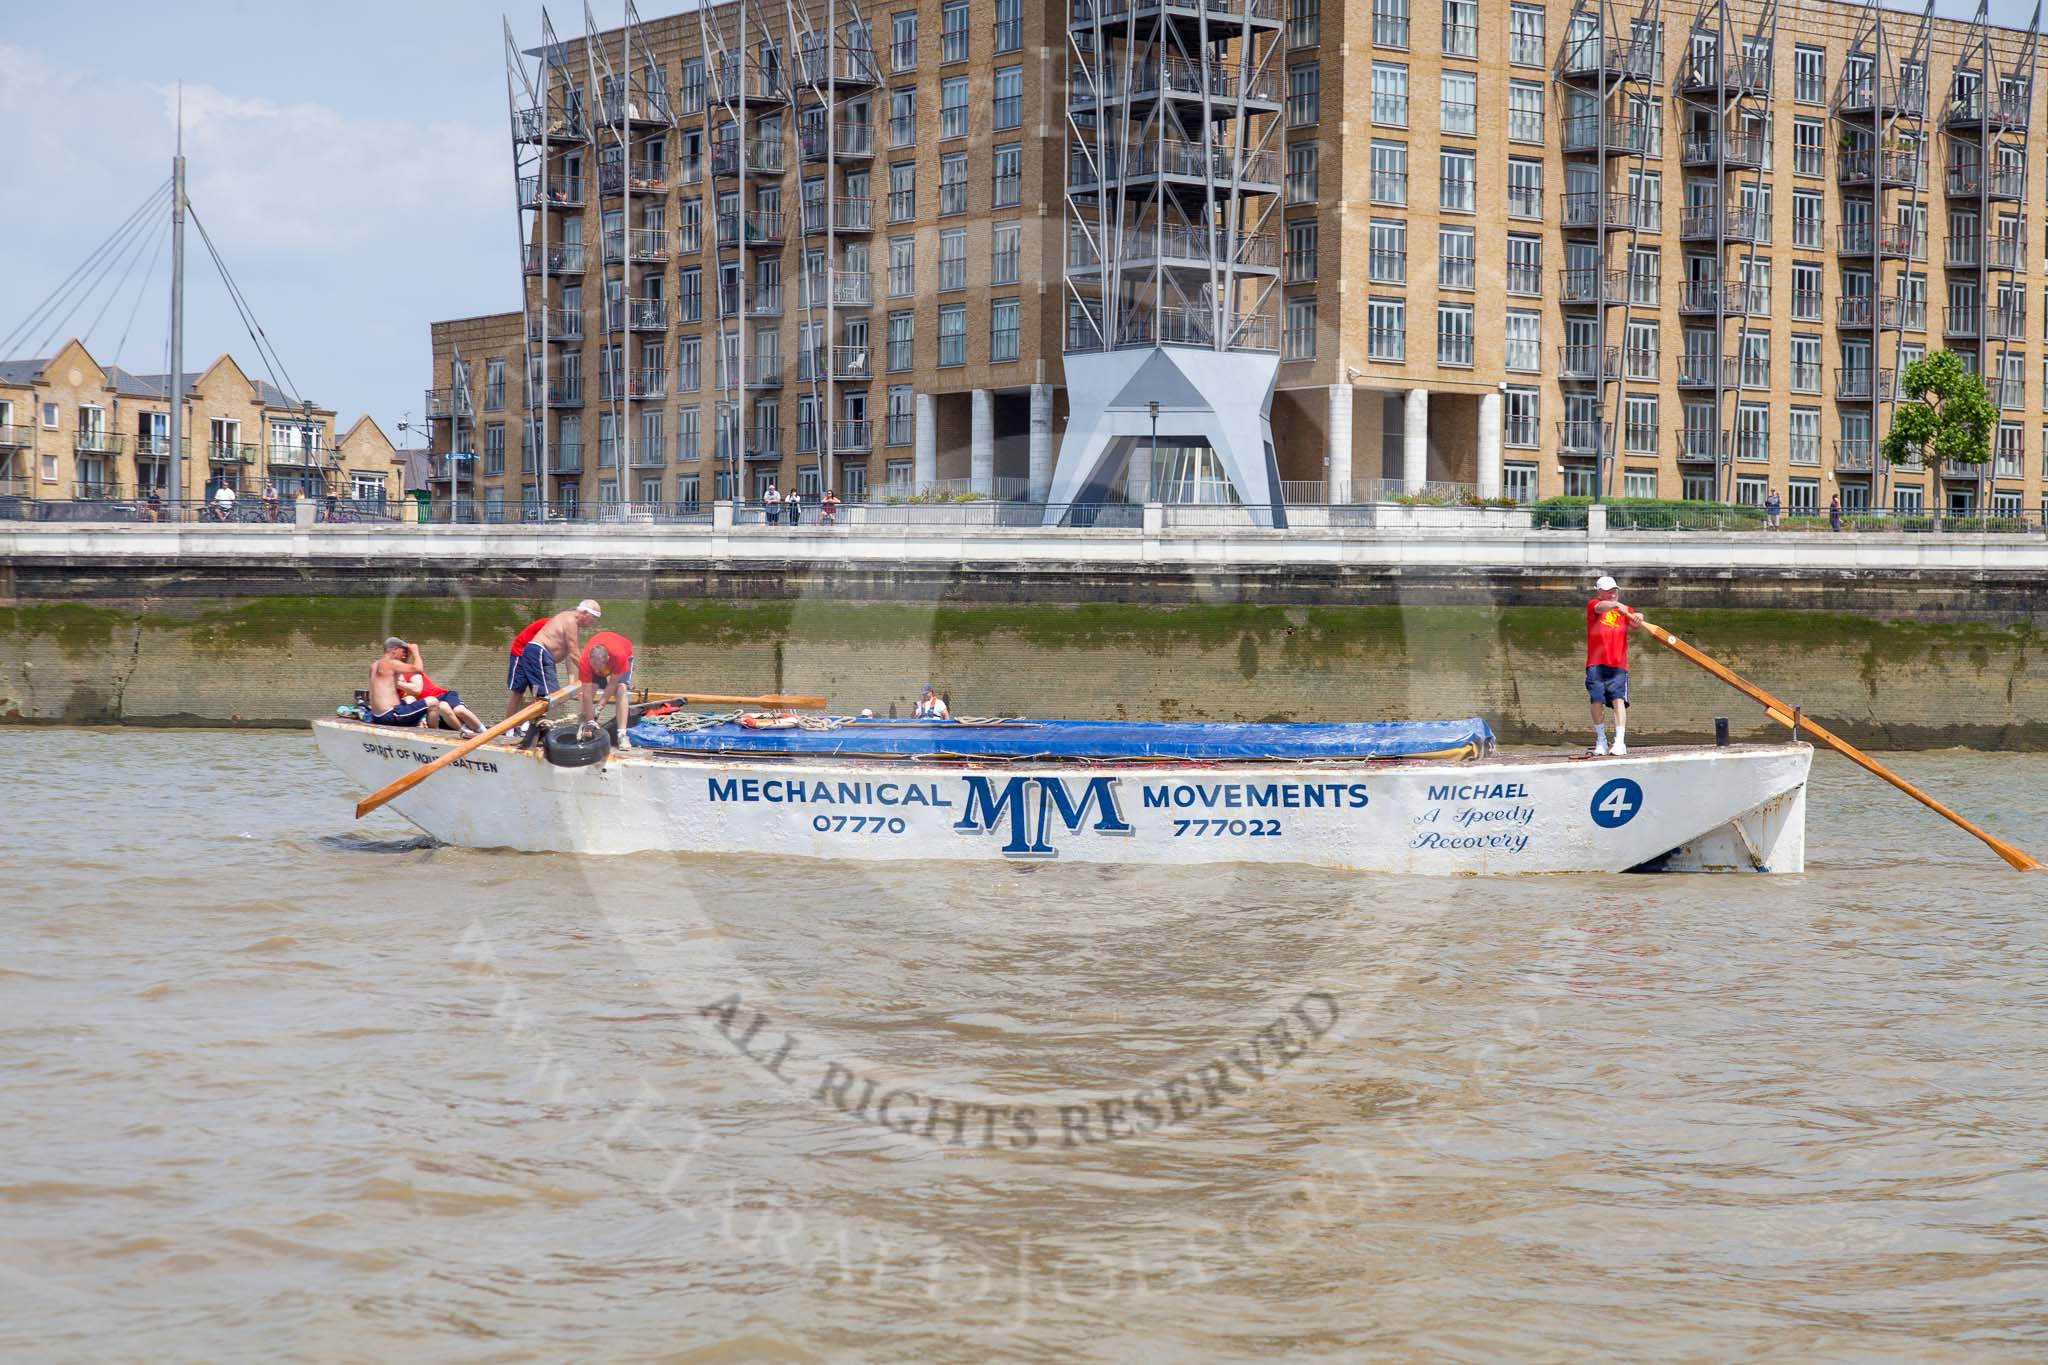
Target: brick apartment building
{"type": "Point", "coordinates": [1530, 248]}
{"type": "Point", "coordinates": [72, 428]}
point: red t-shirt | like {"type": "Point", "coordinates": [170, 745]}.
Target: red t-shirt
{"type": "Point", "coordinates": [525, 637]}
{"type": "Point", "coordinates": [425, 686]}
{"type": "Point", "coordinates": [620, 648]}
{"type": "Point", "coordinates": [1606, 636]}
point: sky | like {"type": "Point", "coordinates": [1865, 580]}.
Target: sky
{"type": "Point", "coordinates": [350, 160]}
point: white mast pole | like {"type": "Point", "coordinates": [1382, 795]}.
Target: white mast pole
{"type": "Point", "coordinates": [177, 394]}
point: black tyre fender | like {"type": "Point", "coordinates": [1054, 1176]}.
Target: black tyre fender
{"type": "Point", "coordinates": [565, 750]}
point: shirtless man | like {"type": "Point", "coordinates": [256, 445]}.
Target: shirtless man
{"type": "Point", "coordinates": [543, 644]}
{"type": "Point", "coordinates": [386, 706]}
{"type": "Point", "coordinates": [444, 705]}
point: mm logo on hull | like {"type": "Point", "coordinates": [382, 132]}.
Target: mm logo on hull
{"type": "Point", "coordinates": [1029, 804]}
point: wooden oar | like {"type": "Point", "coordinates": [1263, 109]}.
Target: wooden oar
{"type": "Point", "coordinates": [1783, 714]}
{"type": "Point", "coordinates": [713, 699]}
{"type": "Point", "coordinates": [427, 770]}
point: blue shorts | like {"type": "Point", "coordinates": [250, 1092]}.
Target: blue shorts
{"type": "Point", "coordinates": [600, 683]}
{"type": "Point", "coordinates": [1605, 684]}
{"type": "Point", "coordinates": [409, 712]}
{"type": "Point", "coordinates": [533, 670]}
{"type": "Point", "coordinates": [450, 698]}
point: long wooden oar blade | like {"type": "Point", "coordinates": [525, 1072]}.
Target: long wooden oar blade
{"type": "Point", "coordinates": [427, 770]}
{"type": "Point", "coordinates": [1783, 714]}
{"type": "Point", "coordinates": [715, 699]}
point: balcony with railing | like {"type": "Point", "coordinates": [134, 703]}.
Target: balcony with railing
{"type": "Point", "coordinates": [99, 441]}
{"type": "Point", "coordinates": [759, 300]}
{"type": "Point", "coordinates": [1708, 73]}
{"type": "Point", "coordinates": [1588, 364]}
{"type": "Point", "coordinates": [735, 78]}
{"type": "Point", "coordinates": [1853, 454]}
{"type": "Point", "coordinates": [562, 123]}
{"type": "Point", "coordinates": [762, 227]}
{"type": "Point", "coordinates": [1998, 110]}
{"type": "Point", "coordinates": [1175, 77]}
{"type": "Point", "coordinates": [1616, 134]}
{"type": "Point", "coordinates": [1865, 313]}
{"type": "Point", "coordinates": [642, 177]}
{"type": "Point", "coordinates": [565, 391]}
{"type": "Point", "coordinates": [851, 435]}
{"type": "Point", "coordinates": [1604, 60]}
{"type": "Point", "coordinates": [1740, 151]}
{"type": "Point", "coordinates": [648, 455]}
{"type": "Point", "coordinates": [560, 192]}
{"type": "Point", "coordinates": [765, 372]}
{"type": "Point", "coordinates": [95, 489]}
{"type": "Point", "coordinates": [1993, 251]}
{"type": "Point", "coordinates": [1997, 322]}
{"type": "Point", "coordinates": [1581, 436]}
{"type": "Point", "coordinates": [2007, 394]}
{"type": "Point", "coordinates": [1866, 96]}
{"type": "Point", "coordinates": [16, 435]}
{"type": "Point", "coordinates": [823, 62]}
{"type": "Point", "coordinates": [558, 258]}
{"type": "Point", "coordinates": [849, 214]}
{"type": "Point", "coordinates": [852, 363]}
{"type": "Point", "coordinates": [1611, 211]}
{"type": "Point", "coordinates": [556, 324]}
{"type": "Point", "coordinates": [1725, 372]}
{"type": "Point", "coordinates": [1701, 445]}
{"type": "Point", "coordinates": [1712, 223]}
{"type": "Point", "coordinates": [764, 157]}
{"type": "Point", "coordinates": [1975, 180]}
{"type": "Point", "coordinates": [1886, 241]}
{"type": "Point", "coordinates": [1862, 383]}
{"type": "Point", "coordinates": [845, 141]}
{"type": "Point", "coordinates": [1867, 168]}
{"type": "Point", "coordinates": [1732, 300]}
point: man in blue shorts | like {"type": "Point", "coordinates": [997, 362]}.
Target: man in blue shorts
{"type": "Point", "coordinates": [1608, 621]}
{"type": "Point", "coordinates": [543, 644]}
{"type": "Point", "coordinates": [385, 705]}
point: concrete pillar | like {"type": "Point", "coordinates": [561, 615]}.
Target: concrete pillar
{"type": "Point", "coordinates": [924, 469]}
{"type": "Point", "coordinates": [1041, 442]}
{"type": "Point", "coordinates": [1415, 441]}
{"type": "Point", "coordinates": [981, 443]}
{"type": "Point", "coordinates": [721, 515]}
{"type": "Point", "coordinates": [1337, 448]}
{"type": "Point", "coordinates": [1138, 475]}
{"type": "Point", "coordinates": [1489, 444]}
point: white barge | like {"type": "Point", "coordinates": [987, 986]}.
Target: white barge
{"type": "Point", "coordinates": [1432, 798]}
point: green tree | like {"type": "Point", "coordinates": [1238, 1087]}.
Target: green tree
{"type": "Point", "coordinates": [1948, 416]}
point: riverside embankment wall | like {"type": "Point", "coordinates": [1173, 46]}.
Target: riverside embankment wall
{"type": "Point", "coordinates": [162, 626]}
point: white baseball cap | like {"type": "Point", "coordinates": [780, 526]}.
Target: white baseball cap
{"type": "Point", "coordinates": [1605, 584]}
{"type": "Point", "coordinates": [589, 608]}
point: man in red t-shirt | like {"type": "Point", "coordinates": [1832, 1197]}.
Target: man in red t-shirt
{"type": "Point", "coordinates": [1608, 622]}
{"type": "Point", "coordinates": [605, 671]}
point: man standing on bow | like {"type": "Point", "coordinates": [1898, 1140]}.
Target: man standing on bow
{"type": "Point", "coordinates": [1608, 622]}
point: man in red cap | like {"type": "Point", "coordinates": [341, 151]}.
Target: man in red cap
{"type": "Point", "coordinates": [605, 671]}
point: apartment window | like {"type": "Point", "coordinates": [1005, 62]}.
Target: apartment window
{"type": "Point", "coordinates": [1454, 334]}
{"type": "Point", "coordinates": [1301, 251]}
{"type": "Point", "coordinates": [1639, 483]}
{"type": "Point", "coordinates": [1805, 360]}
{"type": "Point", "coordinates": [1304, 23]}
{"type": "Point", "coordinates": [1009, 25]}
{"type": "Point", "coordinates": [953, 31]}
{"type": "Point", "coordinates": [494, 448]}
{"type": "Point", "coordinates": [494, 385]}
{"type": "Point", "coordinates": [953, 107]}
{"type": "Point", "coordinates": [1525, 111]}
{"type": "Point", "coordinates": [1458, 100]}
{"type": "Point", "coordinates": [1907, 500]}
{"type": "Point", "coordinates": [1640, 353]}
{"type": "Point", "coordinates": [1003, 327]}
{"type": "Point", "coordinates": [1304, 94]}
{"type": "Point", "coordinates": [1524, 340]}
{"type": "Point", "coordinates": [1008, 186]}
{"type": "Point", "coordinates": [1525, 36]}
{"type": "Point", "coordinates": [1302, 162]}
{"type": "Point", "coordinates": [1006, 246]}
{"type": "Point", "coordinates": [1521, 414]}
{"type": "Point", "coordinates": [952, 183]}
{"type": "Point", "coordinates": [690, 294]}
{"type": "Point", "coordinates": [1389, 172]}
{"type": "Point", "coordinates": [1386, 329]}
{"type": "Point", "coordinates": [902, 333]}
{"type": "Point", "coordinates": [1009, 98]}
{"type": "Point", "coordinates": [1390, 94]}
{"type": "Point", "coordinates": [1387, 256]}
{"type": "Point", "coordinates": [902, 267]}
{"type": "Point", "coordinates": [1803, 436]}
{"type": "Point", "coordinates": [1639, 426]}
{"type": "Point", "coordinates": [1300, 338]}
{"type": "Point", "coordinates": [1809, 147]}
{"type": "Point", "coordinates": [689, 364]}
{"type": "Point", "coordinates": [1525, 265]}
{"type": "Point", "coordinates": [692, 96]}
{"type": "Point", "coordinates": [952, 334]}
{"type": "Point", "coordinates": [953, 258]}
{"type": "Point", "coordinates": [903, 41]}
{"type": "Point", "coordinates": [1752, 432]}
{"type": "Point", "coordinates": [903, 117]}
{"type": "Point", "coordinates": [1390, 23]}
{"type": "Point", "coordinates": [1806, 219]}
{"type": "Point", "coordinates": [1805, 292]}
{"type": "Point", "coordinates": [902, 191]}
{"type": "Point", "coordinates": [686, 436]}
{"type": "Point", "coordinates": [1525, 187]}
{"type": "Point", "coordinates": [900, 428]}
{"type": "Point", "coordinates": [1810, 75]}
{"type": "Point", "coordinates": [1454, 257]}
{"type": "Point", "coordinates": [50, 416]}
{"type": "Point", "coordinates": [1461, 28]}
{"type": "Point", "coordinates": [1456, 170]}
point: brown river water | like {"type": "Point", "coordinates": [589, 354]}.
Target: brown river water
{"type": "Point", "coordinates": [282, 1086]}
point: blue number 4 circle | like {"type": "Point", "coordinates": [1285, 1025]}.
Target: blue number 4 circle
{"type": "Point", "coordinates": [1616, 803]}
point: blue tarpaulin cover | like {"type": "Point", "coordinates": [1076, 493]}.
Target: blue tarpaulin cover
{"type": "Point", "coordinates": [1081, 739]}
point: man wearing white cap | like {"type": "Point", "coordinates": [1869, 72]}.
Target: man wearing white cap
{"type": "Point", "coordinates": [1608, 621]}
{"type": "Point", "coordinates": [543, 644]}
